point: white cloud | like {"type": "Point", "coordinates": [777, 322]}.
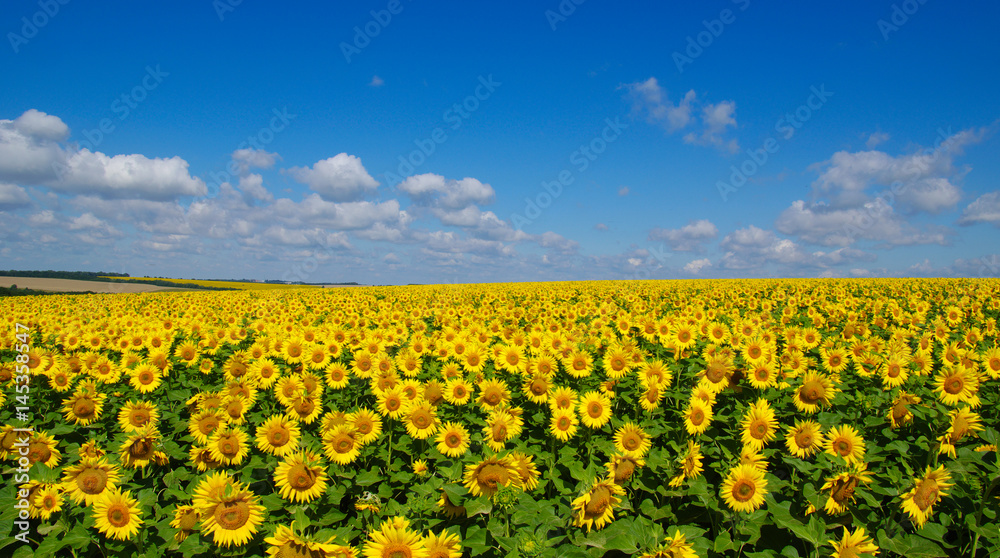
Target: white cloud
{"type": "Point", "coordinates": [830, 226]}
{"type": "Point", "coordinates": [694, 267]}
{"type": "Point", "coordinates": [42, 126]}
{"type": "Point", "coordinates": [254, 158]}
{"type": "Point", "coordinates": [376, 81]}
{"type": "Point", "coordinates": [876, 138]}
{"type": "Point", "coordinates": [601, 227]}
{"type": "Point", "coordinates": [253, 186]}
{"type": "Point", "coordinates": [649, 98]}
{"type": "Point", "coordinates": [127, 176]}
{"type": "Point", "coordinates": [986, 209]}
{"type": "Point", "coordinates": [623, 191]}
{"type": "Point", "coordinates": [716, 118]}
{"type": "Point", "coordinates": [688, 238]}
{"type": "Point", "coordinates": [434, 189]}
{"type": "Point", "coordinates": [339, 178]}
{"type": "Point", "coordinates": [12, 196]}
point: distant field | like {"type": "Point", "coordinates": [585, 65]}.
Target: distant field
{"type": "Point", "coordinates": [222, 284]}
{"type": "Point", "coordinates": [73, 285]}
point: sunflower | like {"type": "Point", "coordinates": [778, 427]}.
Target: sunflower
{"type": "Point", "coordinates": [186, 519]}
{"type": "Point", "coordinates": [204, 423]}
{"type": "Point", "coordinates": [691, 466]}
{"type": "Point", "coordinates": [420, 419]}
{"type": "Point", "coordinates": [293, 350]}
{"type": "Point", "coordinates": [83, 407]}
{"type": "Point", "coordinates": [526, 469]}
{"type": "Point", "coordinates": [391, 402]}
{"type": "Point", "coordinates": [210, 487]}
{"type": "Point", "coordinates": [46, 501]}
{"type": "Point", "coordinates": [140, 448]}
{"type": "Point", "coordinates": [117, 515]}
{"type": "Point", "coordinates": [235, 407]}
{"type": "Point", "coordinates": [285, 542]}
{"type": "Point", "coordinates": [919, 501]}
{"type": "Point", "coordinates": [854, 545]}
{"type": "Point", "coordinates": [135, 415]}
{"type": "Point", "coordinates": [536, 388]}
{"type": "Point", "coordinates": [229, 445]}
{"type": "Point", "coordinates": [500, 427]}
{"type": "Point", "coordinates": [485, 477]}
{"type": "Point", "coordinates": [650, 398]}
{"type": "Point", "coordinates": [744, 488]}
{"type": "Point", "coordinates": [955, 385]}
{"type": "Point", "coordinates": [90, 479]}
{"type": "Point", "coordinates": [562, 398]}
{"type": "Point", "coordinates": [816, 389]}
{"type": "Point", "coordinates": [201, 458]}
{"type": "Point", "coordinates": [842, 487]}
{"type": "Point", "coordinates": [145, 377]}
{"type": "Point", "coordinates": [448, 508]}
{"type": "Point", "coordinates": [673, 547]}
{"type": "Point", "coordinates": [631, 440]}
{"type": "Point", "coordinates": [804, 438]}
{"type": "Point", "coordinates": [595, 409]}
{"type": "Point", "coordinates": [301, 477]}
{"type": "Point", "coordinates": [991, 362]}
{"type": "Point", "coordinates": [900, 414]}
{"type": "Point", "coordinates": [453, 439]}
{"type": "Point", "coordinates": [579, 364]}
{"type": "Point", "coordinates": [187, 353]}
{"type": "Point", "coordinates": [341, 444]}
{"type": "Point", "coordinates": [895, 370]}
{"type": "Point", "coordinates": [621, 467]}
{"type": "Point", "coordinates": [595, 507]}
{"type": "Point", "coordinates": [847, 443]}
{"type": "Point", "coordinates": [511, 358]}
{"type": "Point", "coordinates": [392, 541]}
{"type": "Point", "coordinates": [457, 391]}
{"type": "Point", "coordinates": [493, 393]}
{"type": "Point", "coordinates": [762, 375]}
{"type": "Point", "coordinates": [367, 425]}
{"type": "Point", "coordinates": [232, 517]}
{"type": "Point", "coordinates": [759, 425]}
{"type": "Point", "coordinates": [563, 424]}
{"type": "Point", "coordinates": [834, 360]}
{"type": "Point", "coordinates": [444, 545]}
{"type": "Point", "coordinates": [90, 449]}
{"type": "Point", "coordinates": [278, 435]}
{"type": "Point", "coordinates": [697, 416]}
{"type": "Point", "coordinates": [717, 373]}
{"type": "Point", "coordinates": [42, 448]}
{"type": "Point", "coordinates": [963, 422]}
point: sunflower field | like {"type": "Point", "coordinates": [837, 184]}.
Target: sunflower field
{"type": "Point", "coordinates": [757, 418]}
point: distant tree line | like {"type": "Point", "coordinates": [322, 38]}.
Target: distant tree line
{"type": "Point", "coordinates": [14, 291]}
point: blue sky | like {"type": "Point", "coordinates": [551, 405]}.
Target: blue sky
{"type": "Point", "coordinates": [427, 142]}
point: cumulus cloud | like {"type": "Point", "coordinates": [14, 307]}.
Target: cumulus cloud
{"type": "Point", "coordinates": [648, 98]}
{"type": "Point", "coordinates": [623, 191]}
{"type": "Point", "coordinates": [12, 196]}
{"type": "Point", "coordinates": [251, 158]}
{"type": "Point", "coordinates": [434, 189]}
{"type": "Point", "coordinates": [694, 267]}
{"type": "Point", "coordinates": [30, 153]}
{"type": "Point", "coordinates": [986, 209]}
{"type": "Point", "coordinates": [601, 227]}
{"type": "Point", "coordinates": [689, 238]}
{"type": "Point", "coordinates": [875, 220]}
{"type": "Point", "coordinates": [716, 119]}
{"type": "Point", "coordinates": [339, 178]}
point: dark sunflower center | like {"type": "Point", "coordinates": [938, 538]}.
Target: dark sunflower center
{"type": "Point", "coordinates": [278, 436]}
{"type": "Point", "coordinates": [118, 515]}
{"type": "Point", "coordinates": [84, 408]}
{"type": "Point", "coordinates": [811, 392]}
{"type": "Point", "coordinates": [926, 494]}
{"type": "Point", "coordinates": [92, 481]}
{"type": "Point", "coordinates": [631, 441]}
{"type": "Point", "coordinates": [232, 515]}
{"type": "Point", "coordinates": [744, 490]}
{"type": "Point", "coordinates": [600, 499]}
{"type": "Point", "coordinates": [954, 385]}
{"type": "Point", "coordinates": [301, 477]}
